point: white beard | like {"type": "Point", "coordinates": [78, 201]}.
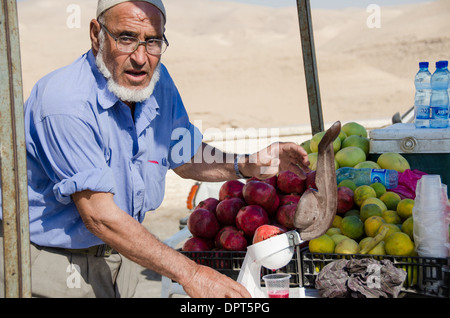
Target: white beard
{"type": "Point", "coordinates": [123, 93]}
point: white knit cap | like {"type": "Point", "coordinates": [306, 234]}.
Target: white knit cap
{"type": "Point", "coordinates": [104, 5]}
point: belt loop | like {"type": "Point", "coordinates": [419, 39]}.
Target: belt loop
{"type": "Point", "coordinates": [100, 250]}
{"type": "Point", "coordinates": [104, 250]}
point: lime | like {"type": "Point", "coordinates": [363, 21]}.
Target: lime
{"type": "Point", "coordinates": [352, 226]}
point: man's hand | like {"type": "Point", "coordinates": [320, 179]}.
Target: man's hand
{"type": "Point", "coordinates": [208, 283]}
{"type": "Point", "coordinates": [277, 157]}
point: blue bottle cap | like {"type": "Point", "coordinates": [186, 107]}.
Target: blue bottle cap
{"type": "Point", "coordinates": [423, 64]}
{"type": "Point", "coordinates": [440, 64]}
{"type": "Point", "coordinates": [444, 63]}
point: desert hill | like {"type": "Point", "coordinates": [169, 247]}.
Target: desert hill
{"type": "Point", "coordinates": [241, 65]}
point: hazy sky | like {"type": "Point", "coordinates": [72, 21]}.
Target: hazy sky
{"type": "Point", "coordinates": [329, 4]}
{"type": "Point", "coordinates": [324, 4]}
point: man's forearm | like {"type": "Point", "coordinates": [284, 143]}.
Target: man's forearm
{"type": "Point", "coordinates": [209, 165]}
{"type": "Point", "coordinates": [123, 233]}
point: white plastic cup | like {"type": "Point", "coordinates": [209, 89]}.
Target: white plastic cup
{"type": "Point", "coordinates": [277, 285]}
{"type": "Point", "coordinates": [429, 192]}
{"type": "Point", "coordinates": [430, 208]}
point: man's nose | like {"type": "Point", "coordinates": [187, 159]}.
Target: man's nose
{"type": "Point", "coordinates": [140, 55]}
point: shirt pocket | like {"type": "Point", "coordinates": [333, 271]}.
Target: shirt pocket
{"type": "Point", "coordinates": [155, 180]}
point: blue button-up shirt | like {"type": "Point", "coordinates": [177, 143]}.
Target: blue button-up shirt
{"type": "Point", "coordinates": [79, 136]}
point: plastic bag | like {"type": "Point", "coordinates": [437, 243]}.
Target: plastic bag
{"type": "Point", "coordinates": [358, 278]}
{"type": "Point", "coordinates": [407, 183]}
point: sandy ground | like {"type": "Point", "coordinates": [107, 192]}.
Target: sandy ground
{"type": "Point", "coordinates": [240, 67]}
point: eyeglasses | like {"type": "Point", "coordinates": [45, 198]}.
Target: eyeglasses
{"type": "Point", "coordinates": [129, 44]}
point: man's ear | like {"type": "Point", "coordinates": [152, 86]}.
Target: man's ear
{"type": "Point", "coordinates": [94, 31]}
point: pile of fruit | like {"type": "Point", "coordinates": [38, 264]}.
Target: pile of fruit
{"type": "Point", "coordinates": [246, 213]}
{"type": "Point", "coordinates": [369, 219]}
{"type": "Point", "coordinates": [351, 149]}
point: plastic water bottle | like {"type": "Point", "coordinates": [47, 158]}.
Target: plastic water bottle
{"type": "Point", "coordinates": [367, 176]}
{"type": "Point", "coordinates": [439, 96]}
{"type": "Point", "coordinates": [448, 73]}
{"type": "Point", "coordinates": [422, 97]}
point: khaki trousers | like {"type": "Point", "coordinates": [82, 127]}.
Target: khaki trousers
{"type": "Point", "coordinates": [56, 273]}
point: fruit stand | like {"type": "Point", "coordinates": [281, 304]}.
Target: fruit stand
{"type": "Point", "coordinates": [224, 248]}
{"type": "Point", "coordinates": [363, 211]}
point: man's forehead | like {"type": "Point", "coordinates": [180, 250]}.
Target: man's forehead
{"type": "Point", "coordinates": [139, 11]}
{"type": "Point", "coordinates": [104, 5]}
{"type": "Point", "coordinates": [134, 20]}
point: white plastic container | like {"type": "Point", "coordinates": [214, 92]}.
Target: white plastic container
{"type": "Point", "coordinates": [430, 217]}
{"type": "Point", "coordinates": [405, 138]}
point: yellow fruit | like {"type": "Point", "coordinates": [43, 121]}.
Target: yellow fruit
{"type": "Point", "coordinates": [333, 230]}
{"type": "Point", "coordinates": [350, 156]}
{"type": "Point", "coordinates": [367, 164]}
{"type": "Point", "coordinates": [353, 128]}
{"type": "Point", "coordinates": [362, 193]}
{"type": "Point", "coordinates": [337, 221]}
{"type": "Point", "coordinates": [347, 183]}
{"type": "Point", "coordinates": [392, 228]}
{"type": "Point", "coordinates": [347, 246]}
{"type": "Point", "coordinates": [352, 226]}
{"type": "Point", "coordinates": [408, 227]}
{"type": "Point", "coordinates": [393, 161]}
{"type": "Point", "coordinates": [322, 244]}
{"type": "Point", "coordinates": [399, 244]}
{"type": "Point", "coordinates": [314, 145]}
{"type": "Point", "coordinates": [377, 250]}
{"type": "Point", "coordinates": [312, 157]}
{"type": "Point", "coordinates": [372, 224]}
{"type": "Point", "coordinates": [306, 145]}
{"type": "Point", "coordinates": [405, 207]}
{"type": "Point", "coordinates": [412, 271]}
{"type": "Point", "coordinates": [375, 201]}
{"type": "Point", "coordinates": [391, 200]}
{"type": "Point", "coordinates": [338, 237]}
{"type": "Point", "coordinates": [379, 188]}
{"type": "Point", "coordinates": [357, 141]}
{"type": "Point", "coordinates": [391, 216]}
{"type": "Point", "coordinates": [364, 242]}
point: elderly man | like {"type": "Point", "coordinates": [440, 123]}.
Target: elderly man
{"type": "Point", "coordinates": [101, 134]}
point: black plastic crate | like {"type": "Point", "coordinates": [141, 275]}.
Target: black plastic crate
{"type": "Point", "coordinates": [425, 276]}
{"type": "Point", "coordinates": [229, 263]}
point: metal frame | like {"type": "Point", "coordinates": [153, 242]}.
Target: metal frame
{"type": "Point", "coordinates": [310, 65]}
{"type": "Point", "coordinates": [16, 239]}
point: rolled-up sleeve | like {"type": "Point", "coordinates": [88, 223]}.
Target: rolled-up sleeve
{"type": "Point", "coordinates": [71, 151]}
{"type": "Point", "coordinates": [99, 180]}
